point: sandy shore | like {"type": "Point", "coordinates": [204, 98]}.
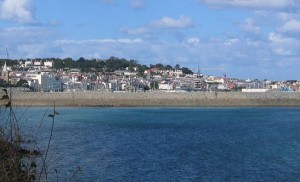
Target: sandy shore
{"type": "Point", "coordinates": [164, 99]}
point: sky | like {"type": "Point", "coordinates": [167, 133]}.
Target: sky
{"type": "Point", "coordinates": [243, 38]}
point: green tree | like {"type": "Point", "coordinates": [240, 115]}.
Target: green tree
{"type": "Point", "coordinates": [22, 83]}
{"type": "Point", "coordinates": [57, 63]}
{"type": "Point", "coordinates": [169, 67]}
{"type": "Point", "coordinates": [186, 70]}
{"type": "Point", "coordinates": [154, 85]}
{"type": "Point", "coordinates": [68, 63]}
{"type": "Point", "coordinates": [141, 69]}
{"type": "Point", "coordinates": [177, 66]}
{"type": "Point", "coordinates": [158, 66]}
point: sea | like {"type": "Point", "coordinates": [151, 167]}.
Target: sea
{"type": "Point", "coordinates": [165, 144]}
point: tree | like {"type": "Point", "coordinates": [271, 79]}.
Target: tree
{"type": "Point", "coordinates": [177, 66]}
{"type": "Point", "coordinates": [141, 69]}
{"type": "Point", "coordinates": [291, 81]}
{"type": "Point", "coordinates": [113, 64]}
{"type": "Point", "coordinates": [133, 62]}
{"type": "Point", "coordinates": [158, 66]}
{"type": "Point", "coordinates": [186, 70]}
{"type": "Point", "coordinates": [22, 83]}
{"type": "Point", "coordinates": [57, 63]}
{"type": "Point", "coordinates": [154, 85]}
{"type": "Point", "coordinates": [169, 67]}
{"type": "Point", "coordinates": [68, 63]}
{"type": "Point", "coordinates": [131, 69]}
{"type": "Point", "coordinates": [81, 59]}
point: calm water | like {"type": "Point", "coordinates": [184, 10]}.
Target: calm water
{"type": "Point", "coordinates": [171, 144]}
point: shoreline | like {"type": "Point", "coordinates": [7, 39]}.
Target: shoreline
{"type": "Point", "coordinates": [157, 99]}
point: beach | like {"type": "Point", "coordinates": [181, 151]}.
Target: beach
{"type": "Point", "coordinates": [164, 99]}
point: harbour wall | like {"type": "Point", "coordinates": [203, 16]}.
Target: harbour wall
{"type": "Point", "coordinates": [148, 99]}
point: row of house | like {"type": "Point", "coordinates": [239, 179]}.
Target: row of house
{"type": "Point", "coordinates": [40, 77]}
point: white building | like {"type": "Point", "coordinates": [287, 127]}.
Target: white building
{"type": "Point", "coordinates": [165, 85]}
{"type": "Point", "coordinates": [37, 63]}
{"type": "Point", "coordinates": [213, 79]}
{"type": "Point", "coordinates": [27, 63]}
{"type": "Point", "coordinates": [177, 73]}
{"type": "Point", "coordinates": [48, 64]}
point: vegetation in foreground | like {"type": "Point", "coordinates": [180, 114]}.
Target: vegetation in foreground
{"type": "Point", "coordinates": [16, 163]}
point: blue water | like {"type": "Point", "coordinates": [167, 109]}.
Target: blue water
{"type": "Point", "coordinates": [171, 144]}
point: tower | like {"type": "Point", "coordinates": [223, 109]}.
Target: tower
{"type": "Point", "coordinates": [5, 74]}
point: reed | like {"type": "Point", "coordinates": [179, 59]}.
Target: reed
{"type": "Point", "coordinates": [16, 163]}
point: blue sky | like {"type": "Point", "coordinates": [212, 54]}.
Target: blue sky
{"type": "Point", "coordinates": [245, 38]}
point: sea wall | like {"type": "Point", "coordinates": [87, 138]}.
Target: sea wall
{"type": "Point", "coordinates": [138, 99]}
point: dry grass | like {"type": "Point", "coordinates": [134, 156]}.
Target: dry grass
{"type": "Point", "coordinates": [16, 164]}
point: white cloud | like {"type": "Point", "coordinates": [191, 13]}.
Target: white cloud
{"type": "Point", "coordinates": [24, 42]}
{"type": "Point", "coordinates": [130, 41]}
{"type": "Point", "coordinates": [137, 31]}
{"type": "Point", "coordinates": [19, 11]}
{"type": "Point", "coordinates": [249, 26]}
{"type": "Point", "coordinates": [232, 42]}
{"type": "Point", "coordinates": [171, 23]}
{"type": "Point", "coordinates": [292, 26]}
{"type": "Point", "coordinates": [283, 16]}
{"type": "Point", "coordinates": [137, 4]}
{"type": "Point", "coordinates": [257, 4]}
{"type": "Point", "coordinates": [287, 63]}
{"type": "Point", "coordinates": [284, 46]}
{"type": "Point", "coordinates": [280, 39]}
{"type": "Point", "coordinates": [21, 35]}
{"type": "Point", "coordinates": [101, 41]}
{"type": "Point", "coordinates": [35, 50]}
{"type": "Point", "coordinates": [123, 48]}
{"type": "Point", "coordinates": [193, 41]}
{"type": "Point", "coordinates": [153, 28]}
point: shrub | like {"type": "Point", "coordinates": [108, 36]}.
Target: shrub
{"type": "Point", "coordinates": [16, 164]}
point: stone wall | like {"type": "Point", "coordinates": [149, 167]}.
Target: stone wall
{"type": "Point", "coordinates": [157, 99]}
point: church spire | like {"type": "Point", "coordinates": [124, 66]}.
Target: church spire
{"type": "Point", "coordinates": [5, 68]}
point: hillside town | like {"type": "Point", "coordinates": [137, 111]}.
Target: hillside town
{"type": "Point", "coordinates": [41, 76]}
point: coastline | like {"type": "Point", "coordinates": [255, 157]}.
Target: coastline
{"type": "Point", "coordinates": [160, 99]}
